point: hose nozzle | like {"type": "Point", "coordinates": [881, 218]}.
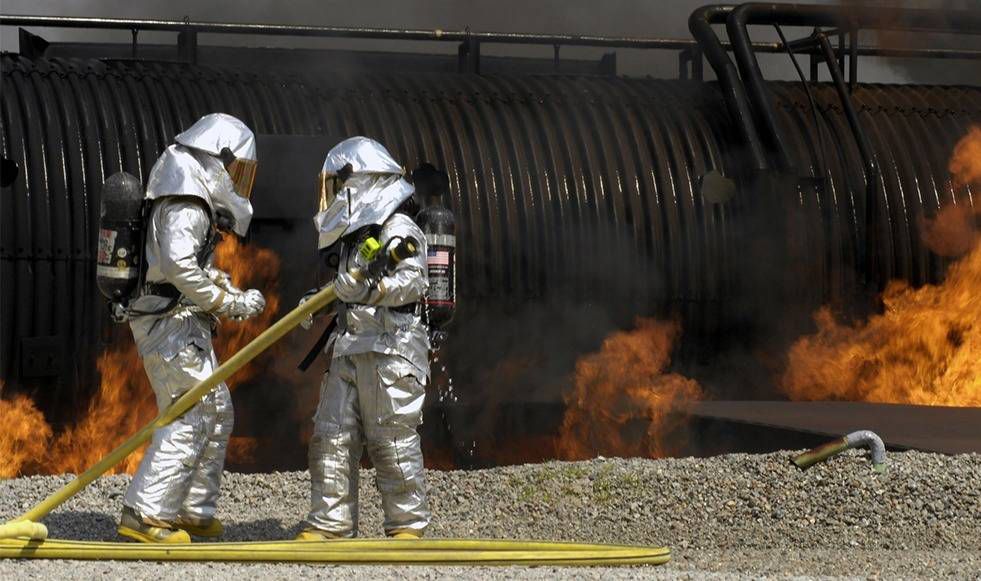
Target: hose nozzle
{"type": "Point", "coordinates": [861, 438]}
{"type": "Point", "coordinates": [23, 528]}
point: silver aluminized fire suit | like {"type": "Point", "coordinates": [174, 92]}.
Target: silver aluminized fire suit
{"type": "Point", "coordinates": [178, 479]}
{"type": "Point", "coordinates": [372, 395]}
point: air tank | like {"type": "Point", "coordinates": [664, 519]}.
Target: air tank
{"type": "Point", "coordinates": [118, 258]}
{"type": "Point", "coordinates": [439, 225]}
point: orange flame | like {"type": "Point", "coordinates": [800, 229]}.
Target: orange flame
{"type": "Point", "coordinates": [926, 347]}
{"type": "Point", "coordinates": [124, 401]}
{"type": "Point", "coordinates": [23, 438]}
{"type": "Point", "coordinates": [965, 162]}
{"type": "Point", "coordinates": [123, 404]}
{"type": "Point", "coordinates": [952, 232]}
{"type": "Point", "coordinates": [623, 403]}
{"type": "Point", "coordinates": [249, 267]}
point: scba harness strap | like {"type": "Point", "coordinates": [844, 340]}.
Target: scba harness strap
{"type": "Point", "coordinates": [168, 290]}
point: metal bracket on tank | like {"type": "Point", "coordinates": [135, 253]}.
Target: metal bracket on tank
{"type": "Point", "coordinates": [187, 43]}
{"type": "Point", "coordinates": [469, 54]}
{"type": "Point", "coordinates": [31, 45]}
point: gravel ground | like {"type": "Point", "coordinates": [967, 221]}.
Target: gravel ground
{"type": "Point", "coordinates": [728, 517]}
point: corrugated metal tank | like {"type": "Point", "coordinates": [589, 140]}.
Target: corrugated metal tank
{"type": "Point", "coordinates": [574, 190]}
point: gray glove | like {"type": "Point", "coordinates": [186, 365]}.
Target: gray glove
{"type": "Point", "coordinates": [349, 289]}
{"type": "Point", "coordinates": [221, 279]}
{"type": "Point", "coordinates": [241, 306]}
{"type": "Point", "coordinates": [307, 323]}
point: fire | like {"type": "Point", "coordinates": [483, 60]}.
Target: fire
{"type": "Point", "coordinates": [123, 404]}
{"type": "Point", "coordinates": [965, 162]}
{"type": "Point", "coordinates": [952, 232]}
{"type": "Point", "coordinates": [926, 347]}
{"type": "Point", "coordinates": [24, 436]}
{"type": "Point", "coordinates": [249, 267]}
{"type": "Point", "coordinates": [623, 403]}
{"type": "Point", "coordinates": [125, 401]}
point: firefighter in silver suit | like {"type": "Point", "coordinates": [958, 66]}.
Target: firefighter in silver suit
{"type": "Point", "coordinates": [198, 186]}
{"type": "Point", "coordinates": [372, 395]}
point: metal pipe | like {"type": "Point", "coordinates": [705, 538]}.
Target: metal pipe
{"type": "Point", "coordinates": [927, 53]}
{"type": "Point", "coordinates": [806, 45]}
{"type": "Point", "coordinates": [759, 94]}
{"type": "Point", "coordinates": [436, 35]}
{"type": "Point", "coordinates": [861, 438]}
{"type": "Point", "coordinates": [850, 18]}
{"type": "Point", "coordinates": [864, 147]}
{"type": "Point", "coordinates": [869, 163]}
{"type": "Point", "coordinates": [810, 99]}
{"type": "Point", "coordinates": [860, 17]}
{"type": "Point", "coordinates": [684, 57]}
{"type": "Point", "coordinates": [841, 49]}
{"type": "Point", "coordinates": [700, 24]}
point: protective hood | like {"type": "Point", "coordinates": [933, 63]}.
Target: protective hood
{"type": "Point", "coordinates": [365, 156]}
{"type": "Point", "coordinates": [372, 193]}
{"type": "Point", "coordinates": [216, 131]}
{"type": "Point", "coordinates": [191, 168]}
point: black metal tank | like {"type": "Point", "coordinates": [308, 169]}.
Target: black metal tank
{"type": "Point", "coordinates": [583, 192]}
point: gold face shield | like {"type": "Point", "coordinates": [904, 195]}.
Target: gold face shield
{"type": "Point", "coordinates": [242, 172]}
{"type": "Point", "coordinates": [327, 187]}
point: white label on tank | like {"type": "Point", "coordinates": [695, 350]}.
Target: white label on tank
{"type": "Point", "coordinates": [107, 241]}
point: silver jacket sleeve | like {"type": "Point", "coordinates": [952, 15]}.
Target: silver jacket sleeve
{"type": "Point", "coordinates": [222, 279]}
{"type": "Point", "coordinates": [174, 328]}
{"type": "Point", "coordinates": [182, 229]}
{"type": "Point", "coordinates": [408, 283]}
{"type": "Point", "coordinates": [371, 326]}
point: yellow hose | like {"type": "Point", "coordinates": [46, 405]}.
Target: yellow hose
{"type": "Point", "coordinates": [22, 538]}
{"type": "Point", "coordinates": [186, 401]}
{"type": "Point", "coordinates": [350, 551]}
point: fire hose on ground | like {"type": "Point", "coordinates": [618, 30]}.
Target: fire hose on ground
{"type": "Point", "coordinates": [24, 537]}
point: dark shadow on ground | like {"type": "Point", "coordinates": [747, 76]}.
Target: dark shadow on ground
{"type": "Point", "coordinates": [82, 526]}
{"type": "Point", "coordinates": [269, 529]}
{"type": "Point", "coordinates": [97, 526]}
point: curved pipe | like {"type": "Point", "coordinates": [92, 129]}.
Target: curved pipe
{"type": "Point", "coordinates": [859, 439]}
{"type": "Point", "coordinates": [871, 165]}
{"type": "Point", "coordinates": [700, 24]}
{"type": "Point", "coordinates": [864, 147]}
{"type": "Point", "coordinates": [851, 18]}
{"type": "Point", "coordinates": [749, 69]}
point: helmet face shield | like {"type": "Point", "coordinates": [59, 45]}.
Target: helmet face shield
{"type": "Point", "coordinates": [242, 172]}
{"type": "Point", "coordinates": [328, 185]}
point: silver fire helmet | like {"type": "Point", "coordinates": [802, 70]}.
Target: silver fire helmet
{"type": "Point", "coordinates": [193, 167]}
{"type": "Point", "coordinates": [368, 195]}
